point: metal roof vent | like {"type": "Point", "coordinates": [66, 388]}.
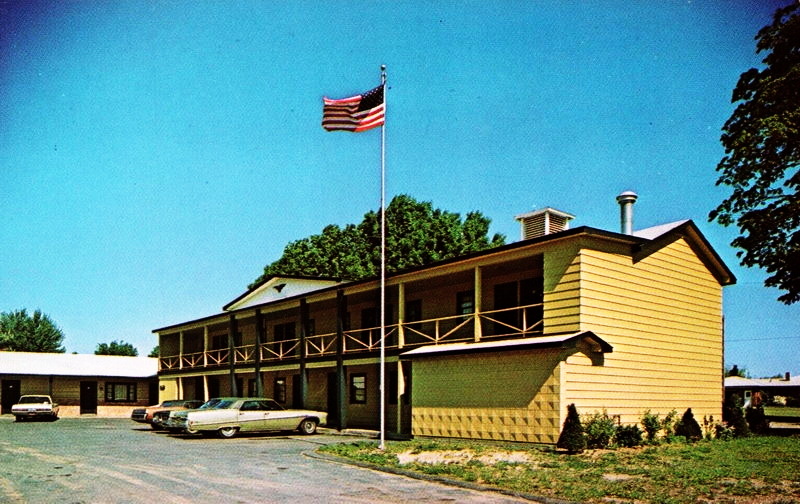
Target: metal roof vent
{"type": "Point", "coordinates": [626, 201]}
{"type": "Point", "coordinates": [543, 222]}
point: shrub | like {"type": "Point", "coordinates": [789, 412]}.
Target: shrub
{"type": "Point", "coordinates": [628, 436]}
{"type": "Point", "coordinates": [723, 432]}
{"type": "Point", "coordinates": [668, 424]}
{"type": "Point", "coordinates": [688, 427]}
{"type": "Point", "coordinates": [756, 420]}
{"type": "Point", "coordinates": [572, 437]}
{"type": "Point", "coordinates": [651, 424]}
{"type": "Point", "coordinates": [733, 415]}
{"type": "Point", "coordinates": [599, 429]}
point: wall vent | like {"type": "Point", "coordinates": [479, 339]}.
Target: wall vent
{"type": "Point", "coordinates": [543, 222]}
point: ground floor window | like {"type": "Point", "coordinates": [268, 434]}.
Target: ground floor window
{"type": "Point", "coordinates": [280, 390]}
{"type": "Point", "coordinates": [120, 392]}
{"type": "Point", "coordinates": [358, 388]}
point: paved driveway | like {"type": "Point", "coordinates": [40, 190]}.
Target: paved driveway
{"type": "Point", "coordinates": [90, 460]}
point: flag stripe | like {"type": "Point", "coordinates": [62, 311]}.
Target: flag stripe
{"type": "Point", "coordinates": [355, 113]}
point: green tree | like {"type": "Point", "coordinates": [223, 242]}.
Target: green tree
{"type": "Point", "coordinates": [416, 235]}
{"type": "Point", "coordinates": [762, 156]}
{"type": "Point", "coordinates": [572, 437]}
{"type": "Point", "coordinates": [20, 332]}
{"type": "Point", "coordinates": [154, 352]}
{"type": "Point", "coordinates": [116, 348]}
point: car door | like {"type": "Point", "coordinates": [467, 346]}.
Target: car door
{"type": "Point", "coordinates": [279, 418]}
{"type": "Point", "coordinates": [252, 416]}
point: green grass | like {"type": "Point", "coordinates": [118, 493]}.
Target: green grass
{"type": "Point", "coordinates": [708, 471]}
{"type": "Point", "coordinates": [781, 411]}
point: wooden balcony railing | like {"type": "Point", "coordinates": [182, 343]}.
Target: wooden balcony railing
{"type": "Point", "coordinates": [517, 322]}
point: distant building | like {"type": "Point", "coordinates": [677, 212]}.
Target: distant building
{"type": "Point", "coordinates": [493, 345]}
{"type": "Point", "coordinates": [82, 384]}
{"type": "Point", "coordinates": [752, 391]}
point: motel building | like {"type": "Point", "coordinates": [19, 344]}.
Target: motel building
{"type": "Point", "coordinates": [492, 345]}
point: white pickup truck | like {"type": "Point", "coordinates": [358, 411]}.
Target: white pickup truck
{"type": "Point", "coordinates": [35, 406]}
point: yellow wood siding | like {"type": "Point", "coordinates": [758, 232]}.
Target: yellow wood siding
{"type": "Point", "coordinates": [663, 316]}
{"type": "Point", "coordinates": [511, 396]}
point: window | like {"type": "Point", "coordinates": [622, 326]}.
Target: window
{"type": "Point", "coordinates": [284, 332]}
{"type": "Point", "coordinates": [279, 390]}
{"type": "Point", "coordinates": [414, 313]}
{"type": "Point", "coordinates": [358, 388]}
{"type": "Point", "coordinates": [220, 341]}
{"type": "Point", "coordinates": [120, 392]}
{"type": "Point", "coordinates": [465, 302]}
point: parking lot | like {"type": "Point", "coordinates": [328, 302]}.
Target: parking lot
{"type": "Point", "coordinates": [94, 460]}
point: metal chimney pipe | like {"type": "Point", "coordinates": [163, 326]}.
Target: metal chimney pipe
{"type": "Point", "coordinates": [626, 201]}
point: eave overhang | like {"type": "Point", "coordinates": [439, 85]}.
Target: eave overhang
{"type": "Point", "coordinates": [563, 341]}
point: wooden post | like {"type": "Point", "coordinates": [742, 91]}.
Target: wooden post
{"type": "Point", "coordinates": [341, 378]}
{"type": "Point", "coordinates": [259, 340]}
{"type": "Point", "coordinates": [477, 301]}
{"type": "Point", "coordinates": [304, 323]}
{"type": "Point", "coordinates": [232, 354]}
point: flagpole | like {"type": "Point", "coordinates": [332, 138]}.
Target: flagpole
{"type": "Point", "coordinates": [383, 267]}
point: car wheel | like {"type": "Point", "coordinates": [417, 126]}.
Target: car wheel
{"type": "Point", "coordinates": [308, 426]}
{"type": "Point", "coordinates": [18, 419]}
{"type": "Point", "coordinates": [227, 432]}
{"type": "Point", "coordinates": [190, 431]}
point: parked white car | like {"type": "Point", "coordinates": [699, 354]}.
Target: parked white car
{"type": "Point", "coordinates": [35, 406]}
{"type": "Point", "coordinates": [227, 416]}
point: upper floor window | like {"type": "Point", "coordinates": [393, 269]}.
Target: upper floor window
{"type": "Point", "coordinates": [465, 302]}
{"type": "Point", "coordinates": [284, 332]}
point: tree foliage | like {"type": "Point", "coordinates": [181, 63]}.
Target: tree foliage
{"type": "Point", "coordinates": [762, 157]}
{"type": "Point", "coordinates": [416, 235]}
{"type": "Point", "coordinates": [116, 348]}
{"type": "Point", "coordinates": [572, 437]}
{"type": "Point", "coordinates": [155, 352]}
{"type": "Point", "coordinates": [20, 332]}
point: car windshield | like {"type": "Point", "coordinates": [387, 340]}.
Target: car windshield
{"type": "Point", "coordinates": [33, 400]}
{"type": "Point", "coordinates": [169, 404]}
{"type": "Point", "coordinates": [217, 404]}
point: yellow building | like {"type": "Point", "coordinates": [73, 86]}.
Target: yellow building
{"type": "Point", "coordinates": [492, 345]}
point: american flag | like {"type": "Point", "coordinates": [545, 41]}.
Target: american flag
{"type": "Point", "coordinates": [357, 113]}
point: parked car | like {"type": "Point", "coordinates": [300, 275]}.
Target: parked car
{"type": "Point", "coordinates": [228, 416]}
{"type": "Point", "coordinates": [35, 406]}
{"type": "Point", "coordinates": [145, 415]}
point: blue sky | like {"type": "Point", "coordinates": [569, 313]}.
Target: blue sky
{"type": "Point", "coordinates": [154, 156]}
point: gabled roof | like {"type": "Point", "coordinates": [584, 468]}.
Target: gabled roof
{"type": "Point", "coordinates": [555, 341]}
{"type": "Point", "coordinates": [62, 364]}
{"type": "Point", "coordinates": [642, 244]}
{"type": "Point", "coordinates": [276, 287]}
{"type": "Point", "coordinates": [658, 237]}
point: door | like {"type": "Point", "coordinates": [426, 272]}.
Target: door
{"type": "Point", "coordinates": [253, 416]}
{"type": "Point", "coordinates": [88, 398]}
{"type": "Point", "coordinates": [10, 394]}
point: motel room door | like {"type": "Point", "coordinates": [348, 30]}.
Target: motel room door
{"type": "Point", "coordinates": [9, 391]}
{"type": "Point", "coordinates": [88, 398]}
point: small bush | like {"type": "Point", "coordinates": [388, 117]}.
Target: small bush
{"type": "Point", "coordinates": [723, 432]}
{"type": "Point", "coordinates": [572, 437]}
{"type": "Point", "coordinates": [628, 436]}
{"type": "Point", "coordinates": [600, 430]}
{"type": "Point", "coordinates": [733, 415]}
{"type": "Point", "coordinates": [756, 420]}
{"type": "Point", "coordinates": [688, 427]}
{"type": "Point", "coordinates": [668, 424]}
{"type": "Point", "coordinates": [651, 424]}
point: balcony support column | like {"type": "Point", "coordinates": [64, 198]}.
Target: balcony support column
{"type": "Point", "coordinates": [478, 305]}
{"type": "Point", "coordinates": [259, 321]}
{"type": "Point", "coordinates": [340, 409]}
{"type": "Point", "coordinates": [401, 314]}
{"type": "Point", "coordinates": [205, 346]}
{"type": "Point", "coordinates": [232, 354]}
{"type": "Point", "coordinates": [180, 350]}
{"type": "Point", "coordinates": [304, 329]}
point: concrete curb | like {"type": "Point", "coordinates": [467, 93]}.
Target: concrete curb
{"type": "Point", "coordinates": [434, 478]}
